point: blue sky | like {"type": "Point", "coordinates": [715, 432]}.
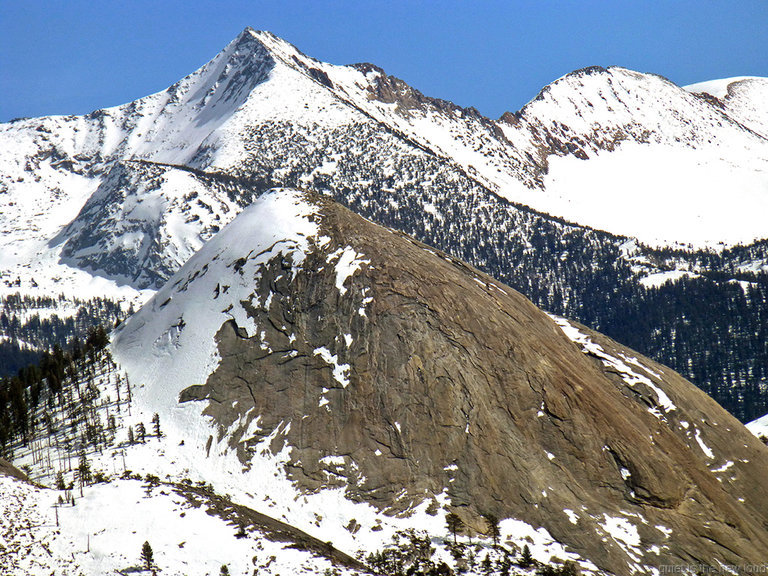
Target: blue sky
{"type": "Point", "coordinates": [71, 57]}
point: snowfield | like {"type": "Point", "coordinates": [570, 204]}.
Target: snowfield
{"type": "Point", "coordinates": [662, 195]}
{"type": "Point", "coordinates": [185, 538]}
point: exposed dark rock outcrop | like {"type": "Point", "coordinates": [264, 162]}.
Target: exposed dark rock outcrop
{"type": "Point", "coordinates": [422, 375]}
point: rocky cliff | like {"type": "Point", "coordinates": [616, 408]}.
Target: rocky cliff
{"type": "Point", "coordinates": [112, 203]}
{"type": "Point", "coordinates": [372, 363]}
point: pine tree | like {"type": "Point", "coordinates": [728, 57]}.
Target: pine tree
{"type": "Point", "coordinates": [492, 522]}
{"type": "Point", "coordinates": [486, 564]}
{"type": "Point", "coordinates": [84, 470]}
{"type": "Point", "coordinates": [131, 439]}
{"type": "Point", "coordinates": [505, 564]}
{"type": "Point", "coordinates": [147, 555]}
{"type": "Point", "coordinates": [141, 432]}
{"type": "Point", "coordinates": [224, 570]}
{"type": "Point", "coordinates": [525, 558]}
{"type": "Point", "coordinates": [455, 525]}
{"type": "Point", "coordinates": [156, 424]}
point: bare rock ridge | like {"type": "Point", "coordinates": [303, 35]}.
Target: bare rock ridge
{"type": "Point", "coordinates": [403, 375]}
{"type": "Point", "coordinates": [605, 171]}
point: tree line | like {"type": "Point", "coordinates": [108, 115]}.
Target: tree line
{"type": "Point", "coordinates": [20, 395]}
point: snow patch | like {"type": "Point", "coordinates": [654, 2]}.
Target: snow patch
{"type": "Point", "coordinates": [631, 377]}
{"type": "Point", "coordinates": [340, 371]}
{"type": "Point", "coordinates": [348, 261]}
{"type": "Point", "coordinates": [624, 533]}
{"type": "Point", "coordinates": [660, 278]}
{"type": "Point", "coordinates": [724, 467]}
{"type": "Point", "coordinates": [704, 448]}
{"type": "Point", "coordinates": [572, 517]}
{"type": "Point", "coordinates": [759, 427]}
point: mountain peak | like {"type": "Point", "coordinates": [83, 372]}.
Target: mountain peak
{"type": "Point", "coordinates": [250, 33]}
{"type": "Point", "coordinates": [249, 38]}
{"type": "Point", "coordinates": [371, 363]}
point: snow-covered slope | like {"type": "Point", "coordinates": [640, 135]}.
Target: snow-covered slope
{"type": "Point", "coordinates": [187, 534]}
{"type": "Point", "coordinates": [657, 160]}
{"type": "Point", "coordinates": [718, 88]}
{"type": "Point", "coordinates": [743, 98]}
{"type": "Point", "coordinates": [112, 203]}
{"type": "Point", "coordinates": [637, 155]}
{"type": "Point", "coordinates": [614, 149]}
{"type": "Point", "coordinates": [51, 166]}
{"type": "Point", "coordinates": [279, 223]}
{"type": "Point", "coordinates": [144, 221]}
{"type": "Point", "coordinates": [241, 359]}
{"type": "Point", "coordinates": [245, 108]}
{"type": "Point", "coordinates": [662, 195]}
{"type": "Point", "coordinates": [759, 427]}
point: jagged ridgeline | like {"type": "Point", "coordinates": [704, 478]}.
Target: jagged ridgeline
{"type": "Point", "coordinates": [127, 194]}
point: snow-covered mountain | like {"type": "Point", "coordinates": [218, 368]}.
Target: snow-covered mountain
{"type": "Point", "coordinates": [113, 203]}
{"type": "Point", "coordinates": [613, 149]}
{"type": "Point", "coordinates": [660, 164]}
{"type": "Point", "coordinates": [742, 99]}
{"type": "Point", "coordinates": [311, 368]}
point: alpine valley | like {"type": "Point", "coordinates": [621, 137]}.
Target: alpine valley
{"type": "Point", "coordinates": [331, 357]}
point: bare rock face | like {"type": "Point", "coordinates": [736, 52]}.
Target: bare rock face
{"type": "Point", "coordinates": [420, 375]}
